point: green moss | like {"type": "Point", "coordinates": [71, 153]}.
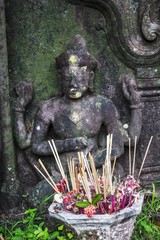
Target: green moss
{"type": "Point", "coordinates": [38, 32]}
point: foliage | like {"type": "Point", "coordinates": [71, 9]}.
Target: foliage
{"type": "Point", "coordinates": [145, 227]}
{"type": "Point", "coordinates": [34, 232]}
{"type": "Point", "coordinates": [30, 227]}
{"type": "Point", "coordinates": [62, 234]}
{"type": "Point", "coordinates": [125, 194]}
{"type": "Point", "coordinates": [33, 227]}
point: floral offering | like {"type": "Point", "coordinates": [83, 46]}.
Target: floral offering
{"type": "Point", "coordinates": [125, 194]}
{"type": "Point", "coordinates": [91, 193]}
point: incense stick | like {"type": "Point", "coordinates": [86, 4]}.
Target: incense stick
{"type": "Point", "coordinates": [110, 141]}
{"type": "Point", "coordinates": [86, 185]}
{"type": "Point", "coordinates": [76, 179]}
{"type": "Point", "coordinates": [107, 185]}
{"type": "Point", "coordinates": [108, 160]}
{"type": "Point", "coordinates": [109, 177]}
{"type": "Point", "coordinates": [46, 178]}
{"type": "Point", "coordinates": [145, 156]}
{"type": "Point", "coordinates": [73, 174]}
{"type": "Point", "coordinates": [55, 156]}
{"type": "Point", "coordinates": [88, 169]}
{"type": "Point", "coordinates": [44, 168]}
{"type": "Point", "coordinates": [95, 176]}
{"type": "Point", "coordinates": [134, 155]}
{"type": "Point", "coordinates": [107, 149]}
{"type": "Point", "coordinates": [70, 172]}
{"type": "Point", "coordinates": [130, 165]}
{"type": "Point", "coordinates": [114, 163]}
{"type": "Point", "coordinates": [104, 179]}
{"type": "Point", "coordinates": [55, 153]}
{"type": "Point", "coordinates": [80, 158]}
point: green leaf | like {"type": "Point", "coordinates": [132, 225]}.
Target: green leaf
{"type": "Point", "coordinates": [46, 233]}
{"type": "Point", "coordinates": [18, 232]}
{"type": "Point", "coordinates": [146, 226]}
{"type": "Point", "coordinates": [153, 194]}
{"type": "Point", "coordinates": [54, 235]}
{"type": "Point", "coordinates": [46, 199]}
{"type": "Point", "coordinates": [82, 204]}
{"type": "Point", "coordinates": [31, 211]}
{"type": "Point", "coordinates": [60, 228]}
{"type": "Point", "coordinates": [70, 235]}
{"type": "Point", "coordinates": [97, 198]}
{"type": "Point", "coordinates": [61, 238]}
{"type": "Point", "coordinates": [30, 236]}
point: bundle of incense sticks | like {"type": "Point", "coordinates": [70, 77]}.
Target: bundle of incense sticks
{"type": "Point", "coordinates": [48, 178]}
{"type": "Point", "coordinates": [132, 161]}
{"type": "Point", "coordinates": [85, 173]}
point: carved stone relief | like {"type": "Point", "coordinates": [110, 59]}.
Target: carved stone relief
{"type": "Point", "coordinates": [124, 38]}
{"type": "Point", "coordinates": [75, 117]}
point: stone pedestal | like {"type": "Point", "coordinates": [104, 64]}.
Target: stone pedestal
{"type": "Point", "coordinates": [118, 225]}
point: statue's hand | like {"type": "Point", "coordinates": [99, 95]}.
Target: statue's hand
{"type": "Point", "coordinates": [72, 144]}
{"type": "Point", "coordinates": [81, 142]}
{"type": "Point", "coordinates": [25, 93]}
{"type": "Point", "coordinates": [130, 91]}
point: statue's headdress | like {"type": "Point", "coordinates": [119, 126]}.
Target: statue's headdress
{"type": "Point", "coordinates": [76, 48]}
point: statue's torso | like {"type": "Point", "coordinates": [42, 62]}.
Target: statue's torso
{"type": "Point", "coordinates": [76, 118]}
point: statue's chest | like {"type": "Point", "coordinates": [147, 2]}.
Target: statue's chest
{"type": "Point", "coordinates": [76, 121]}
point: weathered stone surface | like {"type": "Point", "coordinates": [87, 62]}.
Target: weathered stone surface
{"type": "Point", "coordinates": [73, 129]}
{"type": "Point", "coordinates": [118, 225]}
{"type": "Point", "coordinates": [125, 36]}
{"type": "Point", "coordinates": [10, 183]}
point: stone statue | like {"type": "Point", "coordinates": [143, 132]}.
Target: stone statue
{"type": "Point", "coordinates": [76, 117]}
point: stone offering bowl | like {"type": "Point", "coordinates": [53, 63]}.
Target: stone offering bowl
{"type": "Point", "coordinates": [118, 225]}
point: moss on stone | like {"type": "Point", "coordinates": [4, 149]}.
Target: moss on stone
{"type": "Point", "coordinates": [38, 32]}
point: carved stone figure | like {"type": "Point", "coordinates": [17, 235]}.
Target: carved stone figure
{"type": "Point", "coordinates": [78, 118]}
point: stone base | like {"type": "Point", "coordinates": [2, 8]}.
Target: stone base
{"type": "Point", "coordinates": [118, 225]}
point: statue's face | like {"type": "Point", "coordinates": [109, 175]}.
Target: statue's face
{"type": "Point", "coordinates": [75, 79]}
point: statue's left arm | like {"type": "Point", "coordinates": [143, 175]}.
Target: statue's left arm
{"type": "Point", "coordinates": [132, 95]}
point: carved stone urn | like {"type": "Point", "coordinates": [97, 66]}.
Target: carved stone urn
{"type": "Point", "coordinates": [118, 225]}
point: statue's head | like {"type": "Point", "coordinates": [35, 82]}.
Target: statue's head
{"type": "Point", "coordinates": [77, 68]}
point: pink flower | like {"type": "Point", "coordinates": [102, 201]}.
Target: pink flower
{"type": "Point", "coordinates": [90, 210]}
{"type": "Point", "coordinates": [65, 201]}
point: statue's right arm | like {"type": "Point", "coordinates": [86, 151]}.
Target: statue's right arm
{"type": "Point", "coordinates": [23, 138]}
{"type": "Point", "coordinates": [25, 92]}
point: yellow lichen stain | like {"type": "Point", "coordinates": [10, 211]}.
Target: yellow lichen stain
{"type": "Point", "coordinates": [73, 59]}
{"type": "Point", "coordinates": [84, 88]}
{"type": "Point", "coordinates": [75, 117]}
{"type": "Point", "coordinates": [78, 95]}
